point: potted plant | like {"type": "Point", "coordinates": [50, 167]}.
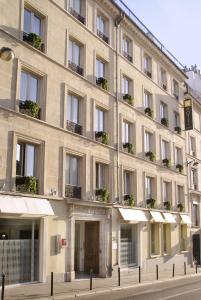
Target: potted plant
{"type": "Point", "coordinates": [178, 129]}
{"type": "Point", "coordinates": [167, 205]}
{"type": "Point", "coordinates": [179, 167]}
{"type": "Point", "coordinates": [30, 108]}
{"type": "Point", "coordinates": [151, 155]}
{"type": "Point", "coordinates": [128, 98]}
{"type": "Point", "coordinates": [102, 82]}
{"type": "Point", "coordinates": [27, 184]}
{"type": "Point", "coordinates": [128, 147]}
{"type": "Point", "coordinates": [105, 195]}
{"type": "Point", "coordinates": [129, 200]}
{"type": "Point", "coordinates": [180, 207]}
{"type": "Point", "coordinates": [35, 40]}
{"type": "Point", "coordinates": [164, 121]}
{"type": "Point", "coordinates": [149, 112]}
{"type": "Point", "coordinates": [166, 162]}
{"type": "Point", "coordinates": [102, 136]}
{"type": "Point", "coordinates": [151, 202]}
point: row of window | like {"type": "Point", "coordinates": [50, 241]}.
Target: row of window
{"type": "Point", "coordinates": [33, 24]}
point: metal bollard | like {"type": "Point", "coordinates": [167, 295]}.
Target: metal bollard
{"type": "Point", "coordinates": [156, 272]}
{"type": "Point", "coordinates": [173, 270]}
{"type": "Point", "coordinates": [139, 274]}
{"type": "Point", "coordinates": [52, 283]}
{"type": "Point", "coordinates": [196, 268]}
{"type": "Point", "coordinates": [119, 277]}
{"type": "Point", "coordinates": [184, 268]}
{"type": "Point", "coordinates": [3, 286]}
{"type": "Point", "coordinates": [91, 276]}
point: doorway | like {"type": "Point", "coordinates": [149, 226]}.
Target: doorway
{"type": "Point", "coordinates": [128, 245]}
{"type": "Point", "coordinates": [196, 248]}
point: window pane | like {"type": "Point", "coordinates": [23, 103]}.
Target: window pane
{"type": "Point", "coordinates": [19, 160]}
{"type": "Point", "coordinates": [67, 170]}
{"type": "Point", "coordinates": [29, 160]}
{"type": "Point", "coordinates": [73, 171]}
{"type": "Point", "coordinates": [36, 25]}
{"type": "Point", "coordinates": [27, 21]}
{"type": "Point", "coordinates": [33, 88]}
{"type": "Point", "coordinates": [99, 120]}
{"type": "Point", "coordinates": [76, 54]}
{"type": "Point", "coordinates": [74, 109]}
{"type": "Point", "coordinates": [77, 6]}
{"type": "Point", "coordinates": [70, 51]}
{"type": "Point", "coordinates": [23, 86]}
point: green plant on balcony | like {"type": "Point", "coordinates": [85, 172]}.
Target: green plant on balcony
{"type": "Point", "coordinates": [151, 155]}
{"type": "Point", "coordinates": [27, 184]}
{"type": "Point", "coordinates": [103, 136]}
{"type": "Point", "coordinates": [167, 205]}
{"type": "Point", "coordinates": [166, 162]}
{"type": "Point", "coordinates": [151, 202]}
{"type": "Point", "coordinates": [104, 195]}
{"type": "Point", "coordinates": [149, 112]}
{"type": "Point", "coordinates": [128, 98]}
{"type": "Point", "coordinates": [178, 129]}
{"type": "Point", "coordinates": [35, 40]}
{"type": "Point", "coordinates": [180, 207]}
{"type": "Point", "coordinates": [179, 167]}
{"type": "Point", "coordinates": [129, 200]}
{"type": "Point", "coordinates": [30, 108]}
{"type": "Point", "coordinates": [128, 147]}
{"type": "Point", "coordinates": [164, 121]}
{"type": "Point", "coordinates": [102, 82]}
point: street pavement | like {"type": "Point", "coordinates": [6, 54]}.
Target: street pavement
{"type": "Point", "coordinates": [107, 288]}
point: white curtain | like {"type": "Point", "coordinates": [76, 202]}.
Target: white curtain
{"type": "Point", "coordinates": [29, 160]}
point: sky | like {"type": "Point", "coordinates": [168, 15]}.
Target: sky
{"type": "Point", "coordinates": [176, 23]}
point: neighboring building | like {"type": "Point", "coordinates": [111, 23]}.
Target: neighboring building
{"type": "Point", "coordinates": [193, 157]}
{"type": "Point", "coordinates": [92, 169]}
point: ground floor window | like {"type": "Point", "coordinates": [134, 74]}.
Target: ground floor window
{"type": "Point", "coordinates": [183, 237]}
{"type": "Point", "coordinates": [166, 238]}
{"type": "Point", "coordinates": [19, 250]}
{"type": "Point", "coordinates": [128, 245]}
{"type": "Point", "coordinates": [154, 238]}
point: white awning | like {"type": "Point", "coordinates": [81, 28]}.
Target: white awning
{"type": "Point", "coordinates": [169, 218]}
{"type": "Point", "coordinates": [133, 215]}
{"type": "Point", "coordinates": [25, 206]}
{"type": "Point", "coordinates": [157, 216]}
{"type": "Point", "coordinates": [185, 219]}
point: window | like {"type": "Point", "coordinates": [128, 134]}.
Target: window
{"type": "Point", "coordinates": [100, 175]}
{"type": "Point", "coordinates": [102, 28]}
{"type": "Point", "coordinates": [126, 48]}
{"type": "Point", "coordinates": [194, 177]}
{"type": "Point", "coordinates": [148, 66]}
{"type": "Point", "coordinates": [180, 194]}
{"type": "Point", "coordinates": [163, 79]}
{"type": "Point", "coordinates": [164, 149]}
{"type": "Point", "coordinates": [29, 87]}
{"type": "Point", "coordinates": [149, 187]}
{"type": "Point", "coordinates": [176, 89]}
{"type": "Point", "coordinates": [195, 214]}
{"type": "Point", "coordinates": [73, 105]}
{"type": "Point", "coordinates": [166, 238]}
{"type": "Point", "coordinates": [166, 192]}
{"type": "Point", "coordinates": [163, 111]}
{"type": "Point", "coordinates": [177, 122]}
{"type": "Point", "coordinates": [125, 132]}
{"type": "Point", "coordinates": [127, 183]}
{"type": "Point", "coordinates": [25, 159]}
{"type": "Point", "coordinates": [147, 99]}
{"type": "Point", "coordinates": [154, 239]}
{"type": "Point", "coordinates": [74, 59]}
{"type": "Point", "coordinates": [32, 22]}
{"type": "Point", "coordinates": [100, 69]}
{"type": "Point", "coordinates": [183, 237]}
{"type": "Point", "coordinates": [125, 85]}
{"type": "Point", "coordinates": [178, 156]}
{"type": "Point", "coordinates": [192, 146]}
{"type": "Point", "coordinates": [72, 170]}
{"type": "Point", "coordinates": [148, 140]}
{"type": "Point", "coordinates": [76, 8]}
{"type": "Point", "coordinates": [99, 126]}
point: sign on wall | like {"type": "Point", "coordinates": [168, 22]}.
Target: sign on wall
{"type": "Point", "coordinates": [188, 114]}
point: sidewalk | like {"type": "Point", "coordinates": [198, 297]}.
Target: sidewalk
{"type": "Point", "coordinates": [78, 288]}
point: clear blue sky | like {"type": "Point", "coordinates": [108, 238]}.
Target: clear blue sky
{"type": "Point", "coordinates": [176, 23]}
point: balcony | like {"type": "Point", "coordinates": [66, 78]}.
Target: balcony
{"type": "Point", "coordinates": [101, 81]}
{"type": "Point", "coordinates": [150, 155]}
{"type": "Point", "coordinates": [148, 73]}
{"type": "Point", "coordinates": [102, 195]}
{"type": "Point", "coordinates": [129, 200]}
{"type": "Point", "coordinates": [176, 96]}
{"type": "Point", "coordinates": [73, 127]}
{"type": "Point", "coordinates": [75, 14]}
{"type": "Point", "coordinates": [26, 184]}
{"type": "Point", "coordinates": [128, 147]}
{"type": "Point", "coordinates": [194, 187]}
{"type": "Point", "coordinates": [164, 86]}
{"type": "Point", "coordinates": [180, 207]}
{"type": "Point", "coordinates": [128, 98]}
{"type": "Point", "coordinates": [102, 137]}
{"type": "Point", "coordinates": [151, 203]}
{"type": "Point", "coordinates": [167, 205]}
{"type": "Point", "coordinates": [149, 112]}
{"type": "Point", "coordinates": [177, 129]}
{"type": "Point", "coordinates": [164, 121]}
{"type": "Point", "coordinates": [29, 108]}
{"type": "Point", "coordinates": [127, 56]}
{"type": "Point", "coordinates": [166, 162]}
{"type": "Point", "coordinates": [72, 191]}
{"type": "Point", "coordinates": [74, 67]}
{"type": "Point", "coordinates": [102, 36]}
{"type": "Point", "coordinates": [34, 40]}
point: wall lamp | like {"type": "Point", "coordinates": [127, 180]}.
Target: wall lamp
{"type": "Point", "coordinates": [6, 54]}
{"type": "Point", "coordinates": [193, 162]}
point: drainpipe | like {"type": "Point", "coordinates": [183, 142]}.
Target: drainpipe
{"type": "Point", "coordinates": [118, 21]}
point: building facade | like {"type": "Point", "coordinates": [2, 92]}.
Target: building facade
{"type": "Point", "coordinates": [92, 152]}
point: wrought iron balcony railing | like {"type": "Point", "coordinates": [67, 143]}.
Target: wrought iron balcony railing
{"type": "Point", "coordinates": [73, 127]}
{"type": "Point", "coordinates": [102, 36]}
{"type": "Point", "coordinates": [72, 191]}
{"type": "Point", "coordinates": [75, 68]}
{"type": "Point", "coordinates": [26, 184]}
{"type": "Point", "coordinates": [127, 56]}
{"type": "Point", "coordinates": [75, 14]}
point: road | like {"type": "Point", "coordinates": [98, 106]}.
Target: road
{"type": "Point", "coordinates": [182, 289]}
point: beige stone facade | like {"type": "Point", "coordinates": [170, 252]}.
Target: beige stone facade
{"type": "Point", "coordinates": [102, 142]}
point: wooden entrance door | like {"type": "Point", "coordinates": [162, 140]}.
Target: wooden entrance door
{"type": "Point", "coordinates": [196, 248]}
{"type": "Point", "coordinates": [91, 259]}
